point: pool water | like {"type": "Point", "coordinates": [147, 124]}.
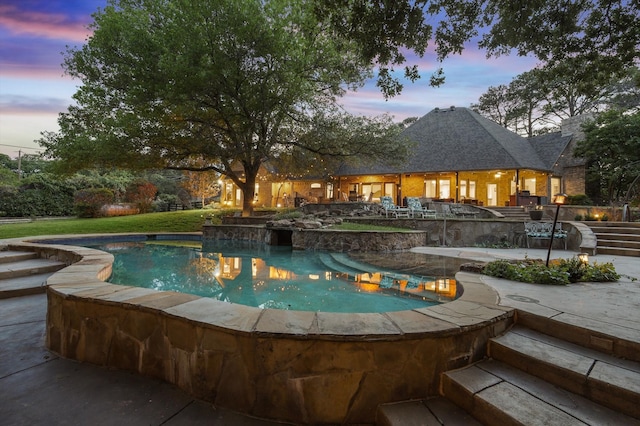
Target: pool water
{"type": "Point", "coordinates": [274, 277]}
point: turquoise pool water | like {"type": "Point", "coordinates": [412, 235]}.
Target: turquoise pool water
{"type": "Point", "coordinates": [274, 277]}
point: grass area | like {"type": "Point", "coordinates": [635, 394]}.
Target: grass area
{"type": "Point", "coordinates": [179, 221]}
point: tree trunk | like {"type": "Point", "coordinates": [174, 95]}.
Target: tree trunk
{"type": "Point", "coordinates": [248, 191]}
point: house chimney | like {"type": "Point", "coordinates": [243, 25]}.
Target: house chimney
{"type": "Point", "coordinates": [573, 125]}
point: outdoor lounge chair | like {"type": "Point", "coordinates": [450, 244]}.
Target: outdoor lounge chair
{"type": "Point", "coordinates": [390, 207]}
{"type": "Point", "coordinates": [413, 203]}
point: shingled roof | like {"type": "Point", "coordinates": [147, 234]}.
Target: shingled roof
{"type": "Point", "coordinates": [459, 139]}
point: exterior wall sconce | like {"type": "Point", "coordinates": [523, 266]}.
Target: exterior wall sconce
{"type": "Point", "coordinates": [558, 200]}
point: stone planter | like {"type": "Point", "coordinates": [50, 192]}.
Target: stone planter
{"type": "Point", "coordinates": [536, 214]}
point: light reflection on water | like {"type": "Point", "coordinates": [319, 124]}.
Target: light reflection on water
{"type": "Point", "coordinates": [280, 278]}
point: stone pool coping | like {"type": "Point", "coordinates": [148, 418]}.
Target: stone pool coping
{"type": "Point", "coordinates": [308, 367]}
{"type": "Point", "coordinates": [90, 268]}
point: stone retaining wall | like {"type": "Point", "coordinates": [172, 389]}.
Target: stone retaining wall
{"type": "Point", "coordinates": [366, 241]}
{"type": "Point", "coordinates": [475, 232]}
{"type": "Point", "coordinates": [320, 239]}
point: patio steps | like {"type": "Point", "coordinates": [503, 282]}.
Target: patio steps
{"type": "Point", "coordinates": [617, 238]}
{"type": "Point", "coordinates": [23, 273]}
{"type": "Point", "coordinates": [532, 378]}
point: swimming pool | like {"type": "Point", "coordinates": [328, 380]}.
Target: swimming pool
{"type": "Point", "coordinates": [271, 277]}
{"type": "Point", "coordinates": [300, 367]}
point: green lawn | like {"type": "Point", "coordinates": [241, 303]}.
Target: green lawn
{"type": "Point", "coordinates": [180, 221]}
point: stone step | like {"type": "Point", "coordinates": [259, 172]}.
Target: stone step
{"type": "Point", "coordinates": [435, 411]}
{"type": "Point", "coordinates": [618, 251]}
{"type": "Point", "coordinates": [630, 225]}
{"type": "Point", "coordinates": [618, 237]}
{"type": "Point", "coordinates": [495, 393]}
{"type": "Point", "coordinates": [601, 336]}
{"type": "Point", "coordinates": [23, 286]}
{"type": "Point", "coordinates": [16, 256]}
{"type": "Point", "coordinates": [619, 243]}
{"type": "Point", "coordinates": [604, 379]}
{"type": "Point", "coordinates": [615, 230]}
{"type": "Point", "coordinates": [29, 267]}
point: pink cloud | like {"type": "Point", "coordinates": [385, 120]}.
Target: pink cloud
{"type": "Point", "coordinates": [40, 24]}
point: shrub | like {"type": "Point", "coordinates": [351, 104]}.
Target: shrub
{"type": "Point", "coordinates": [560, 272]}
{"type": "Point", "coordinates": [89, 202]}
{"type": "Point", "coordinates": [38, 195]}
{"type": "Point", "coordinates": [141, 193]}
{"type": "Point", "coordinates": [600, 272]}
{"type": "Point", "coordinates": [577, 217]}
{"type": "Point", "coordinates": [579, 200]}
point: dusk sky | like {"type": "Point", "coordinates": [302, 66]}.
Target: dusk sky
{"type": "Point", "coordinates": [33, 89]}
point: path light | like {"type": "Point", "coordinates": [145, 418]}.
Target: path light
{"type": "Point", "coordinates": [583, 258]}
{"type": "Point", "coordinates": [558, 200]}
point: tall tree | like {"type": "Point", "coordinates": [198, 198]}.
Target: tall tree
{"type": "Point", "coordinates": [202, 85]}
{"type": "Point", "coordinates": [201, 184]}
{"type": "Point", "coordinates": [536, 100]}
{"type": "Point", "coordinates": [495, 105]}
{"type": "Point", "coordinates": [612, 150]}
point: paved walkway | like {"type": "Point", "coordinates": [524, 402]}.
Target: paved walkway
{"type": "Point", "coordinates": [607, 307]}
{"type": "Point", "coordinates": [37, 387]}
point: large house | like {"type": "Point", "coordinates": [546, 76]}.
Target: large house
{"type": "Point", "coordinates": [459, 156]}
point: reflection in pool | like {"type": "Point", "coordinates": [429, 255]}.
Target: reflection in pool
{"type": "Point", "coordinates": [277, 277]}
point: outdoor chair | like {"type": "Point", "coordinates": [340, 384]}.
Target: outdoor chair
{"type": "Point", "coordinates": [413, 203]}
{"type": "Point", "coordinates": [542, 231]}
{"type": "Point", "coordinates": [390, 207]}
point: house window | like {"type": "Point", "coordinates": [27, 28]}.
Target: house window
{"type": "Point", "coordinates": [530, 185]}
{"type": "Point", "coordinates": [472, 189]}
{"type": "Point", "coordinates": [445, 188]}
{"type": "Point", "coordinates": [430, 189]}
{"type": "Point", "coordinates": [330, 191]}
{"type": "Point", "coordinates": [463, 189]}
{"type": "Point", "coordinates": [389, 189]}
{"type": "Point", "coordinates": [371, 191]}
{"type": "Point", "coordinates": [556, 186]}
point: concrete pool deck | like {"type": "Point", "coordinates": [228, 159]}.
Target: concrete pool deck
{"type": "Point", "coordinates": [38, 387]}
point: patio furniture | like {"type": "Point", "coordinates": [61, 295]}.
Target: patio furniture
{"type": "Point", "coordinates": [542, 231]}
{"type": "Point", "coordinates": [414, 205]}
{"type": "Point", "coordinates": [390, 207]}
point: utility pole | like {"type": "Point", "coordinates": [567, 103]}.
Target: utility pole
{"type": "Point", "coordinates": [19, 164]}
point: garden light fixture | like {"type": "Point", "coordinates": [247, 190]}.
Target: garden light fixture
{"type": "Point", "coordinates": [558, 200]}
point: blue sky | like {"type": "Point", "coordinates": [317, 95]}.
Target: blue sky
{"type": "Point", "coordinates": [33, 90]}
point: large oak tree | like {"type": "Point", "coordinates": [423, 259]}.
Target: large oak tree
{"type": "Point", "coordinates": [204, 85]}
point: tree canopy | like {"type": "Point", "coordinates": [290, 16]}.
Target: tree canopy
{"type": "Point", "coordinates": [535, 101]}
{"type": "Point", "coordinates": [600, 36]}
{"type": "Point", "coordinates": [203, 85]}
{"type": "Point", "coordinates": [612, 150]}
